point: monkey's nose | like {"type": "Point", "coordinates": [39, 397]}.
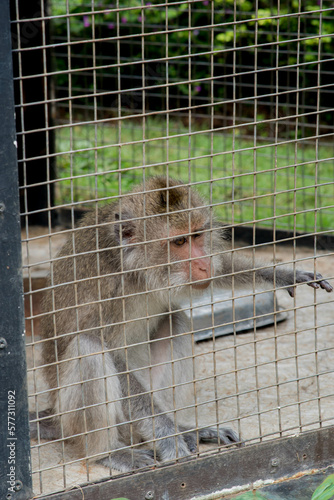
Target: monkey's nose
{"type": "Point", "coordinates": [204, 265]}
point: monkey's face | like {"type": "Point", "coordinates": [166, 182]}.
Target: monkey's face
{"type": "Point", "coordinates": [170, 255]}
{"type": "Point", "coordinates": [188, 254]}
{"type": "Point", "coordinates": [181, 256]}
{"type": "Point", "coordinates": [165, 236]}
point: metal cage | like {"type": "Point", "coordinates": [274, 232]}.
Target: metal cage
{"type": "Point", "coordinates": [234, 99]}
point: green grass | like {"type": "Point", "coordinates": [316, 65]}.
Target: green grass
{"type": "Point", "coordinates": [244, 183]}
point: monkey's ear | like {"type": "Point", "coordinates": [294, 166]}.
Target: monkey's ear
{"type": "Point", "coordinates": [126, 228]}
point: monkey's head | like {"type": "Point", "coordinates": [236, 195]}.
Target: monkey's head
{"type": "Point", "coordinates": [162, 229]}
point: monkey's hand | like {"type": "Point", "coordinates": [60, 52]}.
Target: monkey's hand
{"type": "Point", "coordinates": [308, 278]}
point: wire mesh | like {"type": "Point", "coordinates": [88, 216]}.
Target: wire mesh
{"type": "Point", "coordinates": [233, 98]}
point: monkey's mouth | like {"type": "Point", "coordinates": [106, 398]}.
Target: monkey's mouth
{"type": "Point", "coordinates": [201, 285]}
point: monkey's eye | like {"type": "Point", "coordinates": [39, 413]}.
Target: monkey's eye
{"type": "Point", "coordinates": [180, 241]}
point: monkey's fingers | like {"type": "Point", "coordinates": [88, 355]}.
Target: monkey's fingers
{"type": "Point", "coordinates": [318, 282]}
{"type": "Point", "coordinates": [321, 284]}
{"type": "Point", "coordinates": [229, 437]}
{"type": "Point", "coordinates": [308, 278]}
{"type": "Point", "coordinates": [128, 460]}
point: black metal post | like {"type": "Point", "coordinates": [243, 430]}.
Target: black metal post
{"type": "Point", "coordinates": [33, 115]}
{"type": "Point", "coordinates": [15, 468]}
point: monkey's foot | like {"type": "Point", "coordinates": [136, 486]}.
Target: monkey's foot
{"type": "Point", "coordinates": [129, 460]}
{"type": "Point", "coordinates": [225, 436]}
{"type": "Point", "coordinates": [308, 278]}
{"type": "Point", "coordinates": [169, 452]}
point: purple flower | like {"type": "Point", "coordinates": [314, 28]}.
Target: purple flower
{"type": "Point", "coordinates": [140, 18]}
{"type": "Point", "coordinates": [111, 26]}
{"type": "Point", "coordinates": [196, 32]}
{"type": "Point", "coordinates": [206, 2]}
{"type": "Point", "coordinates": [148, 3]}
{"type": "Point", "coordinates": [198, 88]}
{"type": "Point", "coordinates": [86, 21]}
{"type": "Point", "coordinates": [124, 20]}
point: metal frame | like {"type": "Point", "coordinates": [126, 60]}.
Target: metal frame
{"type": "Point", "coordinates": [15, 467]}
{"type": "Point", "coordinates": [211, 477]}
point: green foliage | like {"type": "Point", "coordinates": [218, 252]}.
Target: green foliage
{"type": "Point", "coordinates": [272, 179]}
{"type": "Point", "coordinates": [250, 495]}
{"type": "Point", "coordinates": [326, 490]}
{"type": "Point", "coordinates": [294, 38]}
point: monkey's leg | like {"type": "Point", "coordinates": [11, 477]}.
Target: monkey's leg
{"type": "Point", "coordinates": [154, 426]}
{"type": "Point", "coordinates": [226, 436]}
{"type": "Point", "coordinates": [89, 402]}
{"type": "Point", "coordinates": [44, 425]}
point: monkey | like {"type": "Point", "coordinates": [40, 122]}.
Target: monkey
{"type": "Point", "coordinates": [117, 349]}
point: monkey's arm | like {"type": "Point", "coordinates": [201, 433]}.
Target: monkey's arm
{"type": "Point", "coordinates": [244, 271]}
